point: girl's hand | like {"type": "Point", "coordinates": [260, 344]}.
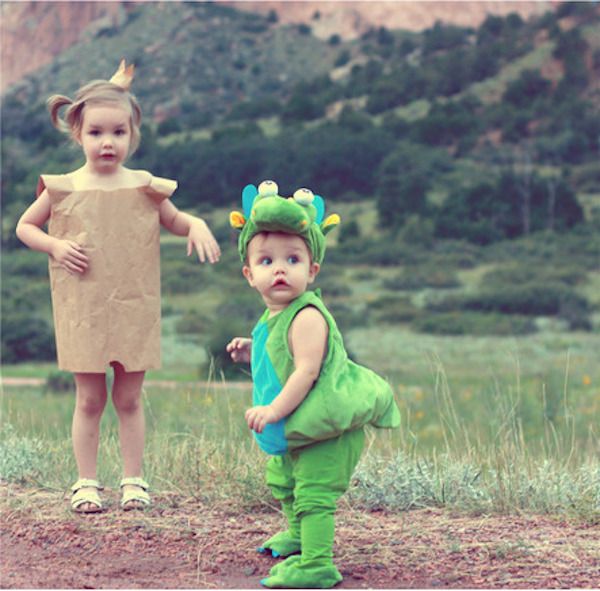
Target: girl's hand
{"type": "Point", "coordinates": [70, 256]}
{"type": "Point", "coordinates": [258, 417]}
{"type": "Point", "coordinates": [201, 238]}
{"type": "Point", "coordinates": [239, 349]}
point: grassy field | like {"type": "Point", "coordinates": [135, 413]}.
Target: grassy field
{"type": "Point", "coordinates": [489, 424]}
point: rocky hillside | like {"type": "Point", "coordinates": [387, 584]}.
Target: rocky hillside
{"type": "Point", "coordinates": [35, 33]}
{"type": "Point", "coordinates": [352, 19]}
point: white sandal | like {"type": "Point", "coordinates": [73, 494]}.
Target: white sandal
{"type": "Point", "coordinates": [85, 491]}
{"type": "Point", "coordinates": [134, 499]}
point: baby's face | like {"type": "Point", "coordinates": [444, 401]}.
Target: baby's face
{"type": "Point", "coordinates": [280, 267]}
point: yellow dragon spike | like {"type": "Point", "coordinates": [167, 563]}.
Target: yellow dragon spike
{"type": "Point", "coordinates": [237, 220]}
{"type": "Point", "coordinates": [330, 223]}
{"type": "Point", "coordinates": [124, 75]}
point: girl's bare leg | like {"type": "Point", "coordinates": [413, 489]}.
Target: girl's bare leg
{"type": "Point", "coordinates": [126, 396]}
{"type": "Point", "coordinates": [89, 404]}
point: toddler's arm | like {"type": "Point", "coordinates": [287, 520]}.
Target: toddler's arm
{"type": "Point", "coordinates": [196, 229]}
{"type": "Point", "coordinates": [67, 253]}
{"type": "Point", "coordinates": [240, 348]}
{"type": "Point", "coordinates": [308, 344]}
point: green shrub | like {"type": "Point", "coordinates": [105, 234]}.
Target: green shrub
{"type": "Point", "coordinates": [349, 232]}
{"type": "Point", "coordinates": [576, 311]}
{"type": "Point", "coordinates": [516, 274]}
{"type": "Point", "coordinates": [193, 322]}
{"type": "Point", "coordinates": [457, 254]}
{"type": "Point", "coordinates": [394, 309]}
{"type": "Point", "coordinates": [384, 252]}
{"type": "Point", "coordinates": [235, 317]}
{"type": "Point", "coordinates": [182, 276]}
{"type": "Point", "coordinates": [473, 323]}
{"type": "Point", "coordinates": [58, 382]}
{"type": "Point", "coordinates": [346, 317]}
{"type": "Point", "coordinates": [24, 263]}
{"type": "Point", "coordinates": [365, 275]}
{"type": "Point", "coordinates": [528, 299]}
{"type": "Point", "coordinates": [417, 231]}
{"type": "Point", "coordinates": [416, 278]}
{"type": "Point", "coordinates": [26, 338]}
{"type": "Point", "coordinates": [335, 288]}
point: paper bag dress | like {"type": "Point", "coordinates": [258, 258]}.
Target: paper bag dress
{"type": "Point", "coordinates": [111, 312]}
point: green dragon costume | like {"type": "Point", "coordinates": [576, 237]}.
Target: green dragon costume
{"type": "Point", "coordinates": [316, 448]}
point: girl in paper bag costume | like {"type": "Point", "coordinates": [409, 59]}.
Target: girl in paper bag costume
{"type": "Point", "coordinates": [311, 402]}
{"type": "Point", "coordinates": [103, 245]}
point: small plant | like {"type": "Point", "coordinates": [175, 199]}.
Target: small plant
{"type": "Point", "coordinates": [20, 457]}
{"type": "Point", "coordinates": [59, 382]}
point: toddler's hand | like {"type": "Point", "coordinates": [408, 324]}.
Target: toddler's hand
{"type": "Point", "coordinates": [239, 349]}
{"type": "Point", "coordinates": [201, 238]}
{"type": "Point", "coordinates": [70, 256]}
{"type": "Point", "coordinates": [259, 416]}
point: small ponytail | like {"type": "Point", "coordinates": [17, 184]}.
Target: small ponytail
{"type": "Point", "coordinates": [54, 104]}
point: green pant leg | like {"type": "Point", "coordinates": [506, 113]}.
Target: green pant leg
{"type": "Point", "coordinates": [280, 480]}
{"type": "Point", "coordinates": [322, 472]}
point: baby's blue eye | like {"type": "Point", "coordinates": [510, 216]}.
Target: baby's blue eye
{"type": "Point", "coordinates": [293, 259]}
{"type": "Point", "coordinates": [265, 261]}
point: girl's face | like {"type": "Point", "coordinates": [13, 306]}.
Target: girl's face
{"type": "Point", "coordinates": [105, 136]}
{"type": "Point", "coordinates": [279, 267]}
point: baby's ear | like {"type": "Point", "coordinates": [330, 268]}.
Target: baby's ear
{"type": "Point", "coordinates": [247, 273]}
{"type": "Point", "coordinates": [330, 223]}
{"type": "Point", "coordinates": [314, 271]}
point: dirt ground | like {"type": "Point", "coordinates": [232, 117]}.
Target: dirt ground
{"type": "Point", "coordinates": [183, 544]}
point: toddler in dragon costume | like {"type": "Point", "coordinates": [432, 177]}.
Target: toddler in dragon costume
{"type": "Point", "coordinates": [310, 402]}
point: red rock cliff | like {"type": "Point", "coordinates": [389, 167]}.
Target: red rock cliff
{"type": "Point", "coordinates": [57, 26]}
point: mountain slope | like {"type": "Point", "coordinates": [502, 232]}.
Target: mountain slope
{"type": "Point", "coordinates": [35, 33]}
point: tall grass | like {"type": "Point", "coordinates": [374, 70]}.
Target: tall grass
{"type": "Point", "coordinates": [199, 446]}
{"type": "Point", "coordinates": [492, 468]}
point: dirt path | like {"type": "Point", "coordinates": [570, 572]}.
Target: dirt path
{"type": "Point", "coordinates": [22, 381]}
{"type": "Point", "coordinates": [183, 544]}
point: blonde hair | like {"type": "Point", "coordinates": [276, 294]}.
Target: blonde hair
{"type": "Point", "coordinates": [94, 93]}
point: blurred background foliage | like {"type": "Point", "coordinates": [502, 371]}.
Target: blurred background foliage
{"type": "Point", "coordinates": [467, 177]}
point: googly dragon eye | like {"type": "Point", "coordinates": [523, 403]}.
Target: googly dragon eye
{"type": "Point", "coordinates": [304, 196]}
{"type": "Point", "coordinates": [267, 188]}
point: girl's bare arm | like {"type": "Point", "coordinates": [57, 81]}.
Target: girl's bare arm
{"type": "Point", "coordinates": [196, 229]}
{"type": "Point", "coordinates": [67, 253]}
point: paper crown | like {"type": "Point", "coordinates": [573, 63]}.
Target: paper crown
{"type": "Point", "coordinates": [123, 76]}
{"type": "Point", "coordinates": [264, 210]}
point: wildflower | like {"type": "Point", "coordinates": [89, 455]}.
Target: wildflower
{"type": "Point", "coordinates": [419, 415]}
{"type": "Point", "coordinates": [587, 380]}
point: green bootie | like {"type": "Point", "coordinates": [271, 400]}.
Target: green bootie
{"type": "Point", "coordinates": [294, 573]}
{"type": "Point", "coordinates": [314, 569]}
{"type": "Point", "coordinates": [282, 544]}
{"type": "Point", "coordinates": [287, 542]}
